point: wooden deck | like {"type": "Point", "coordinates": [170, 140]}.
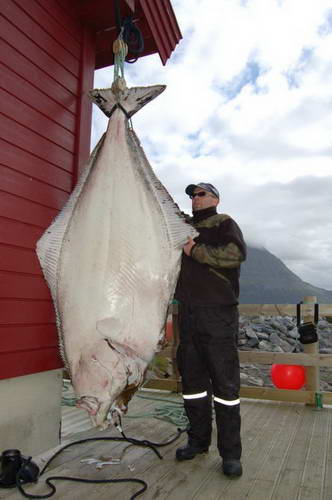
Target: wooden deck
{"type": "Point", "coordinates": [287, 454]}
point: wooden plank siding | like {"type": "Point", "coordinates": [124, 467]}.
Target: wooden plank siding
{"type": "Point", "coordinates": [47, 60]}
{"type": "Point", "coordinates": [156, 24]}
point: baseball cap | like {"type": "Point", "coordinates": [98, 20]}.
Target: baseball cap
{"type": "Point", "coordinates": [204, 185]}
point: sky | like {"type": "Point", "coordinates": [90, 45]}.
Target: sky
{"type": "Point", "coordinates": [248, 107]}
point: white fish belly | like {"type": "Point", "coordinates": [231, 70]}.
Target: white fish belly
{"type": "Point", "coordinates": [117, 260]}
{"type": "Point", "coordinates": [111, 259]}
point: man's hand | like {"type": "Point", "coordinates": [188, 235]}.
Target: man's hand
{"type": "Point", "coordinates": [188, 246]}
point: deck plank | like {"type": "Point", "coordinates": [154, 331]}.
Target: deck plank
{"type": "Point", "coordinates": [289, 478]}
{"type": "Point", "coordinates": [312, 483]}
{"type": "Point", "coordinates": [267, 474]}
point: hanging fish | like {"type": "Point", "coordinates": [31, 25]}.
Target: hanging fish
{"type": "Point", "coordinates": [111, 259]}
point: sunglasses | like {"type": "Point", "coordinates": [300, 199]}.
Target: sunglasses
{"type": "Point", "coordinates": [200, 194]}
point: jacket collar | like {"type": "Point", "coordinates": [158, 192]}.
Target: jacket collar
{"type": "Point", "coordinates": [199, 215]}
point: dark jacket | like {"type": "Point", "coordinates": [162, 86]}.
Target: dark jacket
{"type": "Point", "coordinates": [210, 276]}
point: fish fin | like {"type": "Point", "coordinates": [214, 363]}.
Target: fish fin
{"type": "Point", "coordinates": [49, 246]}
{"type": "Point", "coordinates": [110, 327]}
{"type": "Point", "coordinates": [123, 349]}
{"type": "Point", "coordinates": [129, 100]}
{"type": "Point", "coordinates": [176, 227]}
{"type": "Point", "coordinates": [112, 331]}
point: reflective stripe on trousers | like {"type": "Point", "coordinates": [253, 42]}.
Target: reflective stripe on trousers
{"type": "Point", "coordinates": [217, 400]}
{"type": "Point", "coordinates": [226, 402]}
{"type": "Point", "coordinates": [195, 396]}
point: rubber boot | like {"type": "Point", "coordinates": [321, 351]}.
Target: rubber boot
{"type": "Point", "coordinates": [232, 467]}
{"type": "Point", "coordinates": [199, 413]}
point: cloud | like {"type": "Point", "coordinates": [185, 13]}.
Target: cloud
{"type": "Point", "coordinates": [293, 221]}
{"type": "Point", "coordinates": [247, 107]}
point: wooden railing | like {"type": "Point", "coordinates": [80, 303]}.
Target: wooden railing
{"type": "Point", "coordinates": [311, 359]}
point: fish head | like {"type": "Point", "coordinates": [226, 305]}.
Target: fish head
{"type": "Point", "coordinates": [104, 376]}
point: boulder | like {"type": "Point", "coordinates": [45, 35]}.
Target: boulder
{"type": "Point", "coordinates": [265, 345]}
{"type": "Point", "coordinates": [250, 333]}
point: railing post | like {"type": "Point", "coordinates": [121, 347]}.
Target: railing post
{"type": "Point", "coordinates": [312, 372]}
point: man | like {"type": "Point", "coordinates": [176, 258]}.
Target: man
{"type": "Point", "coordinates": [207, 291]}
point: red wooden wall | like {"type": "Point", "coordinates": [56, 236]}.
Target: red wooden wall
{"type": "Point", "coordinates": [47, 60]}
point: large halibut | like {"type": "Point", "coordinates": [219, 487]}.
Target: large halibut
{"type": "Point", "coordinates": [111, 259]}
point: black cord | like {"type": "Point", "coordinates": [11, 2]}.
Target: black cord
{"type": "Point", "coordinates": [117, 15]}
{"type": "Point", "coordinates": [137, 442]}
{"type": "Point", "coordinates": [130, 440]}
{"type": "Point", "coordinates": [151, 444]}
{"type": "Point", "coordinates": [80, 480]}
{"type": "Point", "coordinates": [133, 37]}
{"type": "Point", "coordinates": [316, 316]}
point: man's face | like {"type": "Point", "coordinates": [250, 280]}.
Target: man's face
{"type": "Point", "coordinates": [204, 200]}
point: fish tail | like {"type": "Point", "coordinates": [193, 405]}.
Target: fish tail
{"type": "Point", "coordinates": [128, 100]}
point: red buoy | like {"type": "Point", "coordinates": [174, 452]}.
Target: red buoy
{"type": "Point", "coordinates": [288, 376]}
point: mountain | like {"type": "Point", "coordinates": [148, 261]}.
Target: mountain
{"type": "Point", "coordinates": [266, 280]}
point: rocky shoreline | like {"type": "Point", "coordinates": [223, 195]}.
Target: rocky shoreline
{"type": "Point", "coordinates": [260, 333]}
{"type": "Point", "coordinates": [278, 334]}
